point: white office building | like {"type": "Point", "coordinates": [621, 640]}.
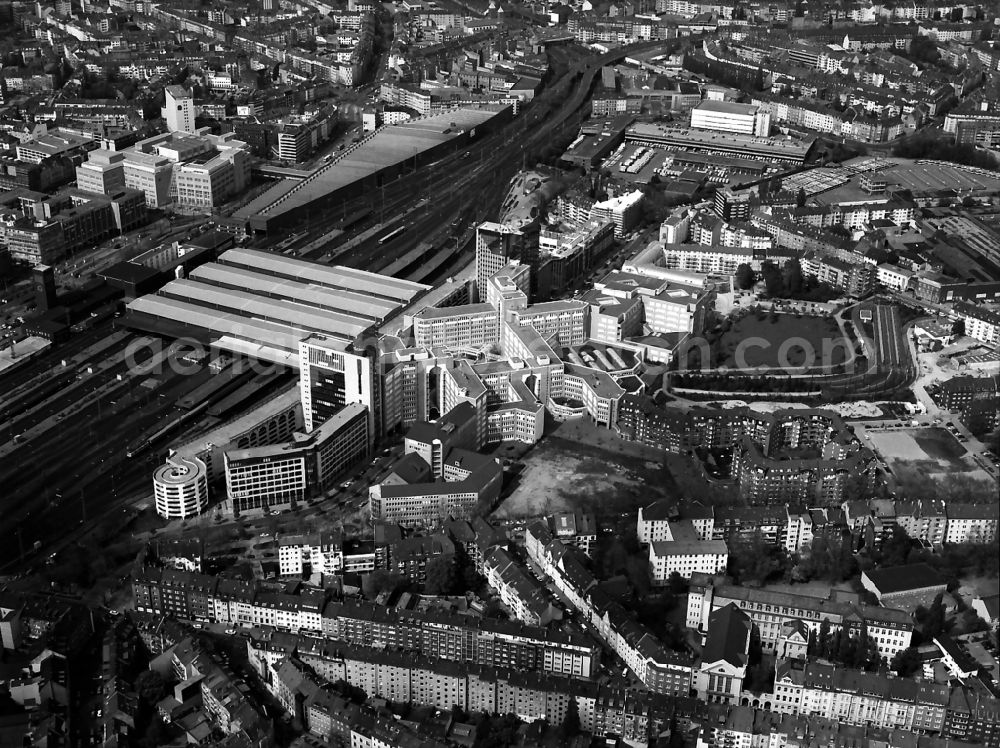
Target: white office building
{"type": "Point", "coordinates": [178, 110]}
{"type": "Point", "coordinates": [728, 116]}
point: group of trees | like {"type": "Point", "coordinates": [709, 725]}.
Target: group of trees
{"type": "Point", "coordinates": [788, 282]}
{"type": "Point", "coordinates": [730, 383]}
{"type": "Point", "coordinates": [756, 560]}
{"type": "Point", "coordinates": [452, 575]}
{"type": "Point", "coordinates": [843, 648]}
{"type": "Point", "coordinates": [929, 145]}
{"type": "Point", "coordinates": [932, 621]}
{"type": "Point", "coordinates": [829, 559]}
{"type": "Point", "coordinates": [444, 575]}
{"type": "Point", "coordinates": [736, 76]}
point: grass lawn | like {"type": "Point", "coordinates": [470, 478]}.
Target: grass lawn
{"type": "Point", "coordinates": [781, 340]}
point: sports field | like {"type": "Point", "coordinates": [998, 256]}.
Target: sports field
{"type": "Point", "coordinates": [921, 444]}
{"type": "Point", "coordinates": [931, 460]}
{"type": "Point", "coordinates": [781, 341]}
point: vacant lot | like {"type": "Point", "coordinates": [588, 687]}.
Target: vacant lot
{"type": "Point", "coordinates": [931, 460]}
{"type": "Point", "coordinates": [934, 446]}
{"type": "Point", "coordinates": [781, 340]}
{"type": "Point", "coordinates": [582, 467]}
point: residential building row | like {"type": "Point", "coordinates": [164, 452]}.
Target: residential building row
{"type": "Point", "coordinates": [433, 634]}
{"type": "Point", "coordinates": [759, 441]}
{"type": "Point", "coordinates": [662, 671]}
{"type": "Point", "coordinates": [493, 689]}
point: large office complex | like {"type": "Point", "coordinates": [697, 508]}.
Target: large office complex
{"type": "Point", "coordinates": [190, 170]}
{"type": "Point", "coordinates": [278, 476]}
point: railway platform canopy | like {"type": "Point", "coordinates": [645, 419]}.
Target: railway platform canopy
{"type": "Point", "coordinates": [385, 153]}
{"type": "Point", "coordinates": [261, 304]}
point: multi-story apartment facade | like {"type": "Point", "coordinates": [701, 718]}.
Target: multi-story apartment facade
{"type": "Point", "coordinates": [891, 630]}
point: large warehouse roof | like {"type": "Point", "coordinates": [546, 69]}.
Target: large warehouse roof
{"type": "Point", "coordinates": [252, 306]}
{"type": "Point", "coordinates": [362, 305]}
{"type": "Point", "coordinates": [388, 147]}
{"type": "Point", "coordinates": [336, 277]}
{"type": "Point", "coordinates": [268, 341]}
{"type": "Point", "coordinates": [262, 304]}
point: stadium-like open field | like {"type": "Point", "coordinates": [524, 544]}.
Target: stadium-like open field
{"type": "Point", "coordinates": [782, 340]}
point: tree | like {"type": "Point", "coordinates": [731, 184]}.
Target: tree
{"type": "Point", "coordinates": [958, 328]}
{"type": "Point", "coordinates": [745, 277]}
{"type": "Point", "coordinates": [823, 643]}
{"type": "Point", "coordinates": [380, 581]}
{"type": "Point", "coordinates": [754, 559]}
{"type": "Point", "coordinates": [571, 722]}
{"type": "Point", "coordinates": [906, 662]}
{"type": "Point", "coordinates": [499, 731]}
{"type": "Point", "coordinates": [792, 276]}
{"type": "Point", "coordinates": [678, 585]}
{"type": "Point", "coordinates": [924, 49]}
{"type": "Point", "coordinates": [350, 691]}
{"type": "Point", "coordinates": [494, 609]}
{"type": "Point", "coordinates": [441, 575]}
{"type": "Point", "coordinates": [800, 198]}
{"type": "Point", "coordinates": [774, 284]}
{"type": "Point", "coordinates": [935, 621]}
{"type": "Point", "coordinates": [149, 686]}
{"type": "Point", "coordinates": [896, 550]}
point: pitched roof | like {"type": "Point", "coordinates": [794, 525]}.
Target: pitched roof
{"type": "Point", "coordinates": [892, 579]}
{"type": "Point", "coordinates": [728, 637]}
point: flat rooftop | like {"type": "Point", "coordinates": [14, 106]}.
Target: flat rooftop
{"type": "Point", "coordinates": [268, 341]}
{"type": "Point", "coordinates": [726, 107]}
{"type": "Point", "coordinates": [679, 137]}
{"type": "Point", "coordinates": [261, 304]}
{"type": "Point", "coordinates": [251, 305]}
